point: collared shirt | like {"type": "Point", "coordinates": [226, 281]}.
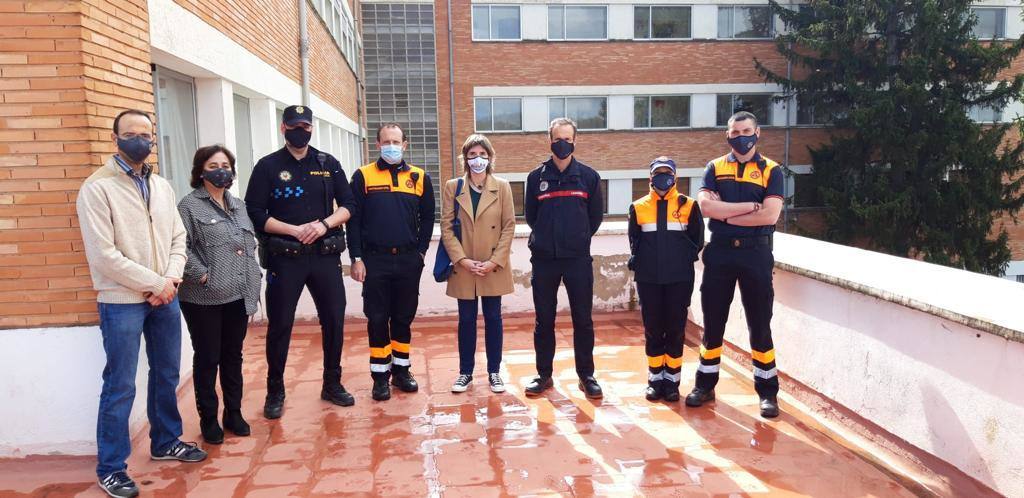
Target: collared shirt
{"type": "Point", "coordinates": [138, 178]}
{"type": "Point", "coordinates": [222, 246]}
{"type": "Point", "coordinates": [752, 181]}
{"type": "Point", "coordinates": [394, 208]}
{"type": "Point", "coordinates": [296, 191]}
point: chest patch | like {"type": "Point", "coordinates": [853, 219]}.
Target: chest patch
{"type": "Point", "coordinates": [285, 176]}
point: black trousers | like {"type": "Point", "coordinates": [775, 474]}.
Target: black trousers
{"type": "Point", "coordinates": [391, 296]}
{"type": "Point", "coordinates": [578, 276]}
{"type": "Point", "coordinates": [217, 334]}
{"type": "Point", "coordinates": [751, 267]}
{"type": "Point", "coordinates": [663, 308]}
{"type": "Point", "coordinates": [286, 278]}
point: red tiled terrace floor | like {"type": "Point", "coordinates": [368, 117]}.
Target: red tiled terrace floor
{"type": "Point", "coordinates": [481, 444]}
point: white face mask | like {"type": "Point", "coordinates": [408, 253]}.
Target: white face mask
{"type": "Point", "coordinates": [478, 164]}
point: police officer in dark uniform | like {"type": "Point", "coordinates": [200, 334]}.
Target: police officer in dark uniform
{"type": "Point", "coordinates": [743, 196]}
{"type": "Point", "coordinates": [666, 232]}
{"type": "Point", "coordinates": [388, 238]}
{"type": "Point", "coordinates": [291, 200]}
{"type": "Point", "coordinates": [564, 209]}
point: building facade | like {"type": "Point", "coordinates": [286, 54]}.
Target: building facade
{"type": "Point", "coordinates": [210, 71]}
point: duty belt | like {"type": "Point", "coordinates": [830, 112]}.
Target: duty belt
{"type": "Point", "coordinates": [742, 242]}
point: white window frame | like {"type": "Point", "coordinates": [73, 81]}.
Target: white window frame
{"type": "Point", "coordinates": [472, 22]}
{"type": "Point", "coordinates": [650, 22]}
{"type": "Point", "coordinates": [762, 121]}
{"type": "Point", "coordinates": [650, 126]}
{"type": "Point", "coordinates": [771, 22]}
{"type": "Point", "coordinates": [977, 109]}
{"type": "Point", "coordinates": [492, 130]}
{"type": "Point", "coordinates": [1002, 29]}
{"type": "Point", "coordinates": [571, 97]}
{"type": "Point", "coordinates": [607, 27]}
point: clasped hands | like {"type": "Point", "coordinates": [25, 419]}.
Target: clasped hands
{"type": "Point", "coordinates": [478, 268]}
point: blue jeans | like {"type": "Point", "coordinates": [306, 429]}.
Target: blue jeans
{"type": "Point", "coordinates": [492, 333]}
{"type": "Point", "coordinates": [122, 325]}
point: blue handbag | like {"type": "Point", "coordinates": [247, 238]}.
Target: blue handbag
{"type": "Point", "coordinates": [443, 263]}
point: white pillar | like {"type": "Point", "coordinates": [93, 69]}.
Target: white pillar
{"type": "Point", "coordinates": [215, 107]}
{"type": "Point", "coordinates": [620, 193]}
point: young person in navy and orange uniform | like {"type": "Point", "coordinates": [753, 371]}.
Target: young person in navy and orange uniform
{"type": "Point", "coordinates": [666, 232]}
{"type": "Point", "coordinates": [388, 239]}
{"type": "Point", "coordinates": [743, 196]}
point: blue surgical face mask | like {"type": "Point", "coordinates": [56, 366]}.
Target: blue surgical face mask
{"type": "Point", "coordinates": [663, 182]}
{"type": "Point", "coordinates": [391, 154]}
{"type": "Point", "coordinates": [136, 148]}
{"type": "Point", "coordinates": [743, 143]}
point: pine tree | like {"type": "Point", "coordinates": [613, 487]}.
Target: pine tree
{"type": "Point", "coordinates": [906, 171]}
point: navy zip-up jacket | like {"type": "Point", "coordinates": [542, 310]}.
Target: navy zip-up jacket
{"type": "Point", "coordinates": [564, 209]}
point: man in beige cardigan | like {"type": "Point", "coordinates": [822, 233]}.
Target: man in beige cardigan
{"type": "Point", "coordinates": [135, 245]}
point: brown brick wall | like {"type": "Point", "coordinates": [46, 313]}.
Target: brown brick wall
{"type": "Point", "coordinates": [270, 29]}
{"type": "Point", "coordinates": [66, 68]}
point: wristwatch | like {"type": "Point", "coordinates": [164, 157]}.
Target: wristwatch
{"type": "Point", "coordinates": [356, 259]}
{"type": "Point", "coordinates": [324, 223]}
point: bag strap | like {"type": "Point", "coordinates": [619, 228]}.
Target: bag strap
{"type": "Point", "coordinates": [455, 204]}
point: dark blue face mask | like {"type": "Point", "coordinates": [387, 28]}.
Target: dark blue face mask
{"type": "Point", "coordinates": [562, 148]}
{"type": "Point", "coordinates": [663, 182]}
{"type": "Point", "coordinates": [136, 148]}
{"type": "Point", "coordinates": [743, 143]}
{"type": "Point", "coordinates": [220, 177]}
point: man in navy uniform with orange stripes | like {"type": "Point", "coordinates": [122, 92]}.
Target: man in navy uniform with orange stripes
{"type": "Point", "coordinates": [388, 237]}
{"type": "Point", "coordinates": [666, 232]}
{"type": "Point", "coordinates": [564, 209]}
{"type": "Point", "coordinates": [743, 196]}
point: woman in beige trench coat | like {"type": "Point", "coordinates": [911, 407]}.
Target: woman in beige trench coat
{"type": "Point", "coordinates": [481, 258]}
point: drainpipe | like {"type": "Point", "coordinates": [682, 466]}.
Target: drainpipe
{"type": "Point", "coordinates": [785, 159]}
{"type": "Point", "coordinates": [304, 52]}
{"type": "Point", "coordinates": [451, 85]}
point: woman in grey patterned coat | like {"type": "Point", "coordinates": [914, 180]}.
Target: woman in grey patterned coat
{"type": "Point", "coordinates": [220, 289]}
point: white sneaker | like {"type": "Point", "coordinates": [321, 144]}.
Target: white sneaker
{"type": "Point", "coordinates": [462, 383]}
{"type": "Point", "coordinates": [497, 385]}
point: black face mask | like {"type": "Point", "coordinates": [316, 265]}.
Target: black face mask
{"type": "Point", "coordinates": [663, 182]}
{"type": "Point", "coordinates": [562, 148]}
{"type": "Point", "coordinates": [220, 177]}
{"type": "Point", "coordinates": [298, 137]}
{"type": "Point", "coordinates": [136, 148]}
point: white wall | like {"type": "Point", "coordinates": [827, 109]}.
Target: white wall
{"type": "Point", "coordinates": [950, 389]}
{"type": "Point", "coordinates": [50, 392]}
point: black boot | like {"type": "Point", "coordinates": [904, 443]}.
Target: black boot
{"type": "Point", "coordinates": [769, 407]}
{"type": "Point", "coordinates": [336, 393]}
{"type": "Point", "coordinates": [402, 378]}
{"type": "Point", "coordinates": [653, 392]}
{"type": "Point", "coordinates": [699, 396]}
{"type": "Point", "coordinates": [212, 433]}
{"type": "Point", "coordinates": [275, 399]}
{"type": "Point", "coordinates": [670, 391]}
{"type": "Point", "coordinates": [381, 391]}
{"type": "Point", "coordinates": [591, 388]}
{"type": "Point", "coordinates": [234, 422]}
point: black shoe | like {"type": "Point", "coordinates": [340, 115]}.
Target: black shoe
{"type": "Point", "coordinates": [769, 407]}
{"type": "Point", "coordinates": [234, 422]}
{"type": "Point", "coordinates": [182, 452]}
{"type": "Point", "coordinates": [653, 392]}
{"type": "Point", "coordinates": [670, 391]}
{"type": "Point", "coordinates": [381, 390]}
{"type": "Point", "coordinates": [591, 388]}
{"type": "Point", "coordinates": [402, 378]}
{"type": "Point", "coordinates": [538, 385]}
{"type": "Point", "coordinates": [699, 396]}
{"type": "Point", "coordinates": [212, 433]}
{"type": "Point", "coordinates": [274, 404]}
{"type": "Point", "coordinates": [336, 393]}
{"type": "Point", "coordinates": [119, 485]}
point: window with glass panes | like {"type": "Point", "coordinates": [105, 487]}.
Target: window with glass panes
{"type": "Point", "coordinates": [519, 197]}
{"type": "Point", "coordinates": [589, 113]}
{"type": "Point", "coordinates": [745, 21]}
{"type": "Point", "coordinates": [759, 105]}
{"type": "Point", "coordinates": [577, 22]}
{"type": "Point", "coordinates": [991, 23]}
{"type": "Point", "coordinates": [664, 111]}
{"type": "Point", "coordinates": [661, 22]}
{"type": "Point", "coordinates": [499, 114]}
{"type": "Point", "coordinates": [496, 22]}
